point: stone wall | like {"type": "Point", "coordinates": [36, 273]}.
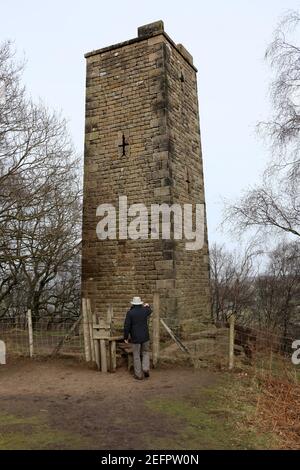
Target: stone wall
{"type": "Point", "coordinates": [143, 93]}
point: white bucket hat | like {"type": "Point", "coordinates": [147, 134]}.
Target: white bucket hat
{"type": "Point", "coordinates": [137, 301]}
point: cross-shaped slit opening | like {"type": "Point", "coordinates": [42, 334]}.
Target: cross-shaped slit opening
{"type": "Point", "coordinates": [123, 145]}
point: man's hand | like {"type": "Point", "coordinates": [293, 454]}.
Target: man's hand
{"type": "Point", "coordinates": [126, 341]}
{"type": "Point", "coordinates": [146, 305]}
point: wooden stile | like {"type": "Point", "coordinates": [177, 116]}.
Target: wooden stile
{"type": "Point", "coordinates": [97, 334]}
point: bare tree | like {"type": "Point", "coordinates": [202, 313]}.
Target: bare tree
{"type": "Point", "coordinates": [231, 282]}
{"type": "Point", "coordinates": [39, 201]}
{"type": "Point", "coordinates": [277, 290]}
{"type": "Point", "coordinates": [274, 204]}
{"type": "Point", "coordinates": [268, 300]}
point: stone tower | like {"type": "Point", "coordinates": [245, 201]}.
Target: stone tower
{"type": "Point", "coordinates": [142, 140]}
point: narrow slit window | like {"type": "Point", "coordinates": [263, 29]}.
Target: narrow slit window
{"type": "Point", "coordinates": [123, 145]}
{"type": "Point", "coordinates": [188, 182]}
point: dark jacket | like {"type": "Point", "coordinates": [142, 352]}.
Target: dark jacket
{"type": "Point", "coordinates": [136, 324]}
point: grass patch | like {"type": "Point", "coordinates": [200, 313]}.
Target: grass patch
{"type": "Point", "coordinates": [12, 420]}
{"type": "Point", "coordinates": [212, 418]}
{"type": "Point", "coordinates": [33, 433]}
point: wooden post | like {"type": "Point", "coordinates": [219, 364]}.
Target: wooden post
{"type": "Point", "coordinates": [90, 324]}
{"type": "Point", "coordinates": [231, 341]}
{"type": "Point", "coordinates": [30, 332]}
{"type": "Point", "coordinates": [86, 332]}
{"type": "Point", "coordinates": [110, 351]}
{"type": "Point", "coordinates": [109, 316]}
{"type": "Point", "coordinates": [113, 356]}
{"type": "Point", "coordinates": [102, 330]}
{"type": "Point", "coordinates": [2, 353]}
{"type": "Point", "coordinates": [96, 344]}
{"type": "Point", "coordinates": [67, 337]}
{"type": "Point", "coordinates": [174, 337]}
{"type": "Point", "coordinates": [155, 329]}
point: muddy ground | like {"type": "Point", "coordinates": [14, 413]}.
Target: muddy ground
{"type": "Point", "coordinates": [64, 404]}
{"type": "Point", "coordinates": [87, 408]}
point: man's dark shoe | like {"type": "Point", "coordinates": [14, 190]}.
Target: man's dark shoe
{"type": "Point", "coordinates": [146, 374]}
{"type": "Point", "coordinates": [138, 378]}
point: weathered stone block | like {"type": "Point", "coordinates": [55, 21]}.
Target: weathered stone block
{"type": "Point", "coordinates": [151, 29]}
{"type": "Point", "coordinates": [165, 284]}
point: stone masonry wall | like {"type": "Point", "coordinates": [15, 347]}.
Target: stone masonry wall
{"type": "Point", "coordinates": [187, 186]}
{"type": "Point", "coordinates": [135, 94]}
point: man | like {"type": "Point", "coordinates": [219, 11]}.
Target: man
{"type": "Point", "coordinates": [136, 326]}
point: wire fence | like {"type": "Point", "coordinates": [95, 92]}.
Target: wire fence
{"type": "Point", "coordinates": [261, 350]}
{"type": "Point", "coordinates": [266, 351]}
{"type": "Point", "coordinates": [205, 347]}
{"type": "Point", "coordinates": [46, 337]}
{"type": "Point", "coordinates": [254, 350]}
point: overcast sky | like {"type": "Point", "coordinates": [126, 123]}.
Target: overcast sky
{"type": "Point", "coordinates": [227, 39]}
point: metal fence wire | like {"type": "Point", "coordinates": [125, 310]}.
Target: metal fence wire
{"type": "Point", "coordinates": [258, 348]}
{"type": "Point", "coordinates": [46, 337]}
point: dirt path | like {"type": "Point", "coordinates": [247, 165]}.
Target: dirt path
{"type": "Point", "coordinates": [63, 404]}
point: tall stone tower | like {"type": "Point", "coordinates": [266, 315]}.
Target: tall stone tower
{"type": "Point", "coordinates": [142, 140]}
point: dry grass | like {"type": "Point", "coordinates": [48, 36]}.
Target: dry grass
{"type": "Point", "coordinates": [276, 390]}
{"type": "Point", "coordinates": [278, 410]}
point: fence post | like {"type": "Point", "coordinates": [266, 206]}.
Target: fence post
{"type": "Point", "coordinates": [90, 320]}
{"type": "Point", "coordinates": [30, 332]}
{"type": "Point", "coordinates": [113, 356]}
{"type": "Point", "coordinates": [155, 331]}
{"type": "Point", "coordinates": [102, 334]}
{"type": "Point", "coordinates": [86, 332]}
{"type": "Point", "coordinates": [2, 353]}
{"type": "Point", "coordinates": [96, 342]}
{"type": "Point", "coordinates": [109, 316]}
{"type": "Point", "coordinates": [231, 341]}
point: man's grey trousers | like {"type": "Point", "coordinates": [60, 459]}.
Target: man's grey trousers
{"type": "Point", "coordinates": [141, 358]}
